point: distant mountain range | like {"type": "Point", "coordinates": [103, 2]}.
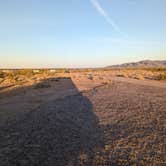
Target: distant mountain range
{"type": "Point", "coordinates": [141, 64]}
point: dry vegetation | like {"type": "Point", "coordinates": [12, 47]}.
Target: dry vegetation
{"type": "Point", "coordinates": [10, 78]}
{"type": "Point", "coordinates": [83, 117]}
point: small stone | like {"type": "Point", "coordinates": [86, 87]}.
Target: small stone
{"type": "Point", "coordinates": [107, 147]}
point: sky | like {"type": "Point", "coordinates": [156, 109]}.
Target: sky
{"type": "Point", "coordinates": [80, 33]}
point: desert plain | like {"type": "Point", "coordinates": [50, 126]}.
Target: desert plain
{"type": "Point", "coordinates": [109, 117]}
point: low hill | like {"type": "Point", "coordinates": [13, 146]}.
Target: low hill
{"type": "Point", "coordinates": [141, 64]}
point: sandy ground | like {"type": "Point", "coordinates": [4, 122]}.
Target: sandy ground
{"type": "Point", "coordinates": [75, 121]}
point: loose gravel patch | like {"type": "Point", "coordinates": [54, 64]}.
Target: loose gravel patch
{"type": "Point", "coordinates": [115, 124]}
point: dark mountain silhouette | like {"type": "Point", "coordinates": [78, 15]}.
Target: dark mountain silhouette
{"type": "Point", "coordinates": [144, 63]}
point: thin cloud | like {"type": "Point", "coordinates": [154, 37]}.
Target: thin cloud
{"type": "Point", "coordinates": [102, 12]}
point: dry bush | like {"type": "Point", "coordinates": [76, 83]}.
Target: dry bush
{"type": "Point", "coordinates": [2, 75]}
{"type": "Point", "coordinates": [139, 77]}
{"type": "Point", "coordinates": [90, 77]}
{"type": "Point", "coordinates": [161, 76]}
{"type": "Point", "coordinates": [23, 72]}
{"type": "Point", "coordinates": [154, 69]}
{"type": "Point", "coordinates": [122, 75]}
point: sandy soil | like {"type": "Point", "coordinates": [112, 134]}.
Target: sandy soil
{"type": "Point", "coordinates": [77, 120]}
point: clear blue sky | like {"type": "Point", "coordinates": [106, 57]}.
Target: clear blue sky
{"type": "Point", "coordinates": [80, 33]}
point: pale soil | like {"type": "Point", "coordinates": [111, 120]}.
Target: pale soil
{"type": "Point", "coordinates": [75, 121]}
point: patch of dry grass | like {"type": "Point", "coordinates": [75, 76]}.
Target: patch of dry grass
{"type": "Point", "coordinates": [162, 77]}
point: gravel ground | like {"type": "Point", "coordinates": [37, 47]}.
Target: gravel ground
{"type": "Point", "coordinates": [115, 124]}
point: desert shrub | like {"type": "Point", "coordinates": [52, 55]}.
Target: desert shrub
{"type": "Point", "coordinates": [161, 76]}
{"type": "Point", "coordinates": [153, 69]}
{"type": "Point", "coordinates": [26, 72]}
{"type": "Point", "coordinates": [101, 78]}
{"type": "Point", "coordinates": [2, 75]}
{"type": "Point", "coordinates": [120, 75]}
{"type": "Point", "coordinates": [90, 77]}
{"type": "Point", "coordinates": [11, 75]}
{"type": "Point", "coordinates": [66, 71]}
{"type": "Point", "coordinates": [138, 77]}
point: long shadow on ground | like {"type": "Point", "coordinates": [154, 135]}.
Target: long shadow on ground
{"type": "Point", "coordinates": [60, 132]}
